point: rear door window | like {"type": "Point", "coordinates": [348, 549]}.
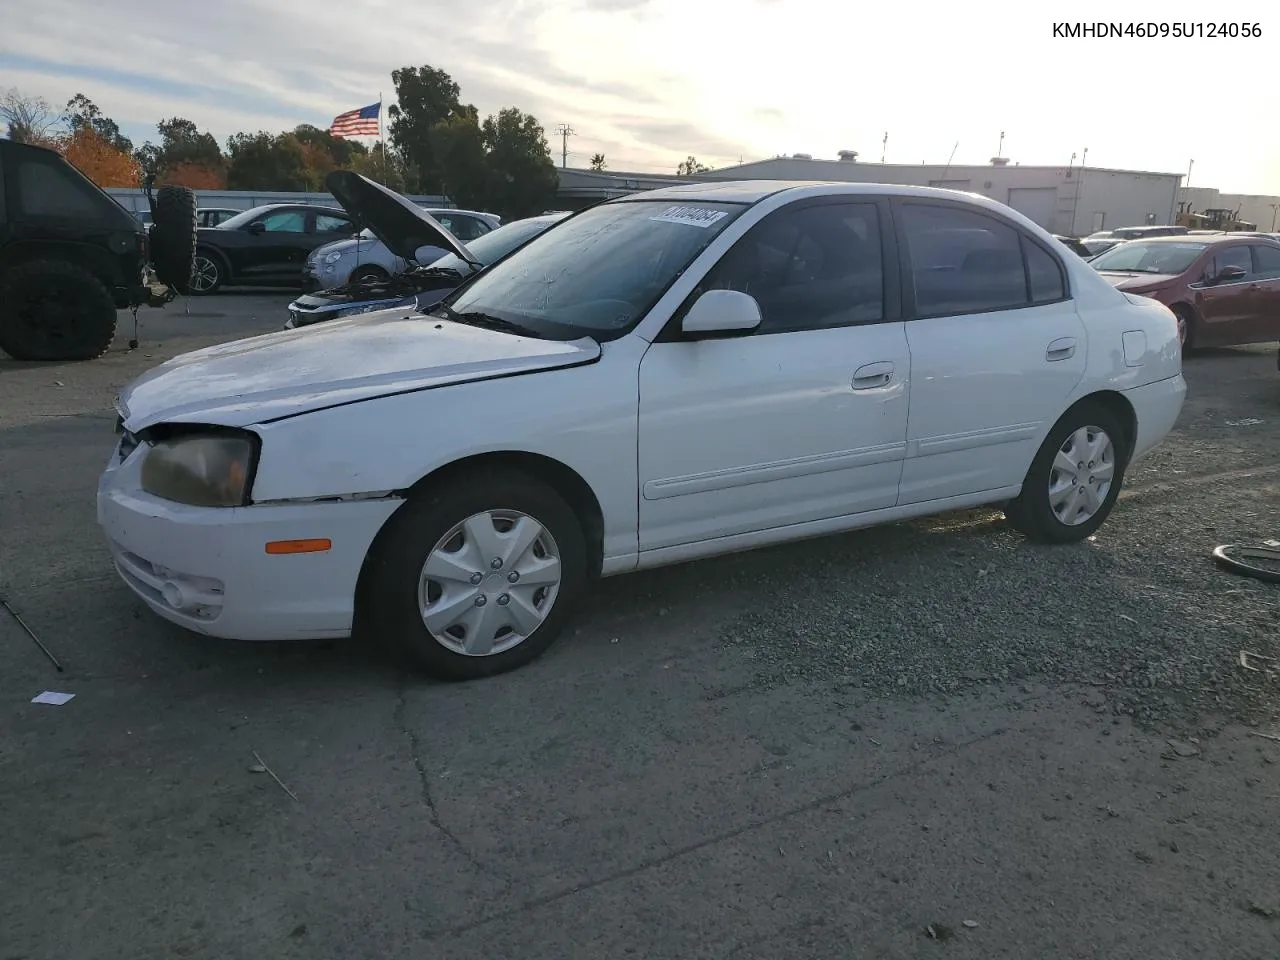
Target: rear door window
{"type": "Point", "coordinates": [1266, 260]}
{"type": "Point", "coordinates": [962, 262]}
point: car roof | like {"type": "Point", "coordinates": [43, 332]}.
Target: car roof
{"type": "Point", "coordinates": [1205, 238]}
{"type": "Point", "coordinates": [753, 191]}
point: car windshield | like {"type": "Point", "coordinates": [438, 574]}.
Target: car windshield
{"type": "Point", "coordinates": [596, 274]}
{"type": "Point", "coordinates": [240, 219]}
{"type": "Point", "coordinates": [494, 245]}
{"type": "Point", "coordinates": [1149, 257]}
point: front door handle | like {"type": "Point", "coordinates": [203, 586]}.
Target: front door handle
{"type": "Point", "coordinates": [1061, 349]}
{"type": "Point", "coordinates": [873, 375]}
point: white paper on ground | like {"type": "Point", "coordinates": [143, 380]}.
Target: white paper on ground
{"type": "Point", "coordinates": [49, 696]}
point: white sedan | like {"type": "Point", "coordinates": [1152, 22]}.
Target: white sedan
{"type": "Point", "coordinates": [675, 374]}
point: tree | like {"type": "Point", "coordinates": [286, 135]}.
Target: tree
{"type": "Point", "coordinates": [339, 150]}
{"type": "Point", "coordinates": [597, 161]}
{"type": "Point", "coordinates": [27, 119]}
{"type": "Point", "coordinates": [181, 142]}
{"type": "Point", "coordinates": [81, 113]}
{"type": "Point", "coordinates": [382, 165]}
{"type": "Point", "coordinates": [459, 147]}
{"type": "Point", "coordinates": [99, 159]}
{"type": "Point", "coordinates": [261, 161]}
{"type": "Point", "coordinates": [425, 97]}
{"type": "Point", "coordinates": [689, 166]}
{"type": "Point", "coordinates": [194, 176]}
{"type": "Point", "coordinates": [522, 177]}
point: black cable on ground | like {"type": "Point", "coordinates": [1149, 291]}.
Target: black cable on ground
{"type": "Point", "coordinates": [1236, 557]}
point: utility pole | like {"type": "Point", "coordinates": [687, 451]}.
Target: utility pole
{"type": "Point", "coordinates": [1075, 207]}
{"type": "Point", "coordinates": [1001, 147]}
{"type": "Point", "coordinates": [884, 145]}
{"type": "Point", "coordinates": [1275, 208]}
{"type": "Point", "coordinates": [565, 131]}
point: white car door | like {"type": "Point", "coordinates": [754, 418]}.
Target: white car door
{"type": "Point", "coordinates": [997, 347]}
{"type": "Point", "coordinates": [803, 419]}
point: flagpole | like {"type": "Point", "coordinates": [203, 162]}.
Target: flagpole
{"type": "Point", "coordinates": [382, 140]}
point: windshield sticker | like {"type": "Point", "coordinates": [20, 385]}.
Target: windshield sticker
{"type": "Point", "coordinates": [693, 216]}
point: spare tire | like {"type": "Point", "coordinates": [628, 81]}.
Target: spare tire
{"type": "Point", "coordinates": [55, 310]}
{"type": "Point", "coordinates": [173, 237]}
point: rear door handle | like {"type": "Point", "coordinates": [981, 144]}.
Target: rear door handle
{"type": "Point", "coordinates": [1061, 349]}
{"type": "Point", "coordinates": [873, 375]}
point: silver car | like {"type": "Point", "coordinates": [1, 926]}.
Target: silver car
{"type": "Point", "coordinates": [367, 258]}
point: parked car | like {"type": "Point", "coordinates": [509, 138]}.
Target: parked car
{"type": "Point", "coordinates": [669, 375]}
{"type": "Point", "coordinates": [1223, 289]}
{"type": "Point", "coordinates": [71, 256]}
{"type": "Point", "coordinates": [1074, 245]}
{"type": "Point", "coordinates": [1099, 245]}
{"type": "Point", "coordinates": [266, 245]}
{"type": "Point", "coordinates": [215, 216]}
{"type": "Point", "coordinates": [367, 258]}
{"type": "Point", "coordinates": [419, 287]}
{"type": "Point", "coordinates": [1137, 233]}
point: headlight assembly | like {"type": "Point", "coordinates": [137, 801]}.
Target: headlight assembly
{"type": "Point", "coordinates": [200, 469]}
{"type": "Point", "coordinates": [333, 257]}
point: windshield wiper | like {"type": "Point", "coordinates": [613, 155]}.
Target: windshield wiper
{"type": "Point", "coordinates": [486, 321]}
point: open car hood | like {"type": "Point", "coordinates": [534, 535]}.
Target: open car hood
{"type": "Point", "coordinates": [398, 222]}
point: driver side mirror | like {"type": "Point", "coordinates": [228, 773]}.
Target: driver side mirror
{"type": "Point", "coordinates": [1229, 273]}
{"type": "Point", "coordinates": [722, 311]}
{"type": "Point", "coordinates": [257, 228]}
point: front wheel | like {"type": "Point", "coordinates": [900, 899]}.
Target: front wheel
{"type": "Point", "coordinates": [1074, 479]}
{"type": "Point", "coordinates": [478, 577]}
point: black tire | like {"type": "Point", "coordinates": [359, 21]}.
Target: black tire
{"type": "Point", "coordinates": [1188, 326]}
{"type": "Point", "coordinates": [173, 237]}
{"type": "Point", "coordinates": [55, 310]}
{"type": "Point", "coordinates": [391, 600]}
{"type": "Point", "coordinates": [208, 273]}
{"type": "Point", "coordinates": [1032, 514]}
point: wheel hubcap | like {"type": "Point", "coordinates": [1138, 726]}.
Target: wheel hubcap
{"type": "Point", "coordinates": [205, 274]}
{"type": "Point", "coordinates": [1081, 475]}
{"type": "Point", "coordinates": [489, 583]}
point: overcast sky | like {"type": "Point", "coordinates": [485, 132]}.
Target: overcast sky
{"type": "Point", "coordinates": [647, 82]}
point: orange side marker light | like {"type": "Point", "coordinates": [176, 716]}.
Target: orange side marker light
{"type": "Point", "coordinates": [280, 547]}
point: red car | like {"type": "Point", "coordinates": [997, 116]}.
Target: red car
{"type": "Point", "coordinates": [1224, 288]}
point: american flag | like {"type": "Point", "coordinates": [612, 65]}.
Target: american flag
{"type": "Point", "coordinates": [357, 123]}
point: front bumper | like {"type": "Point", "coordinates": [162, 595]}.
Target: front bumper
{"type": "Point", "coordinates": [207, 569]}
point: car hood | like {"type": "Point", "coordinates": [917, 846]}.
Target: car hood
{"type": "Point", "coordinates": [344, 361]}
{"type": "Point", "coordinates": [1126, 280]}
{"type": "Point", "coordinates": [398, 222]}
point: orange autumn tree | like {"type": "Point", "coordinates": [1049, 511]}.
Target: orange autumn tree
{"type": "Point", "coordinates": [195, 176]}
{"type": "Point", "coordinates": [98, 159]}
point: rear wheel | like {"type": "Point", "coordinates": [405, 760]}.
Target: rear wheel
{"type": "Point", "coordinates": [477, 577]}
{"type": "Point", "coordinates": [207, 273]}
{"type": "Point", "coordinates": [1075, 478]}
{"type": "Point", "coordinates": [54, 310]}
{"type": "Point", "coordinates": [1186, 327]}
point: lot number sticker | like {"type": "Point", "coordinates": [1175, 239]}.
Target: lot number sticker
{"type": "Point", "coordinates": [692, 216]}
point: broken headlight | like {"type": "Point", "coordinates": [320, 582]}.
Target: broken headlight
{"type": "Point", "coordinates": [200, 469]}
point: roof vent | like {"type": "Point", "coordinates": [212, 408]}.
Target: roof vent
{"type": "Point", "coordinates": [848, 156]}
{"type": "Point", "coordinates": [999, 161]}
{"type": "Point", "coordinates": [802, 156]}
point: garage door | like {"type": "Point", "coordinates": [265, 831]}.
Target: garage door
{"type": "Point", "coordinates": [1035, 203]}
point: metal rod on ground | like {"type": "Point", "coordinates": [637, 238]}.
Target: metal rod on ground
{"type": "Point", "coordinates": [31, 633]}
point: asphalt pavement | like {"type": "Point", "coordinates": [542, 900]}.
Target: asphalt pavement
{"type": "Point", "coordinates": [925, 739]}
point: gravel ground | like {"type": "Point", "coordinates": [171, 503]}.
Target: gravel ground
{"type": "Point", "coordinates": [1139, 611]}
{"type": "Point", "coordinates": [818, 750]}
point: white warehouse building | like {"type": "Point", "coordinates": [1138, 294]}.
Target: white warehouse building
{"type": "Point", "coordinates": [1072, 201]}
